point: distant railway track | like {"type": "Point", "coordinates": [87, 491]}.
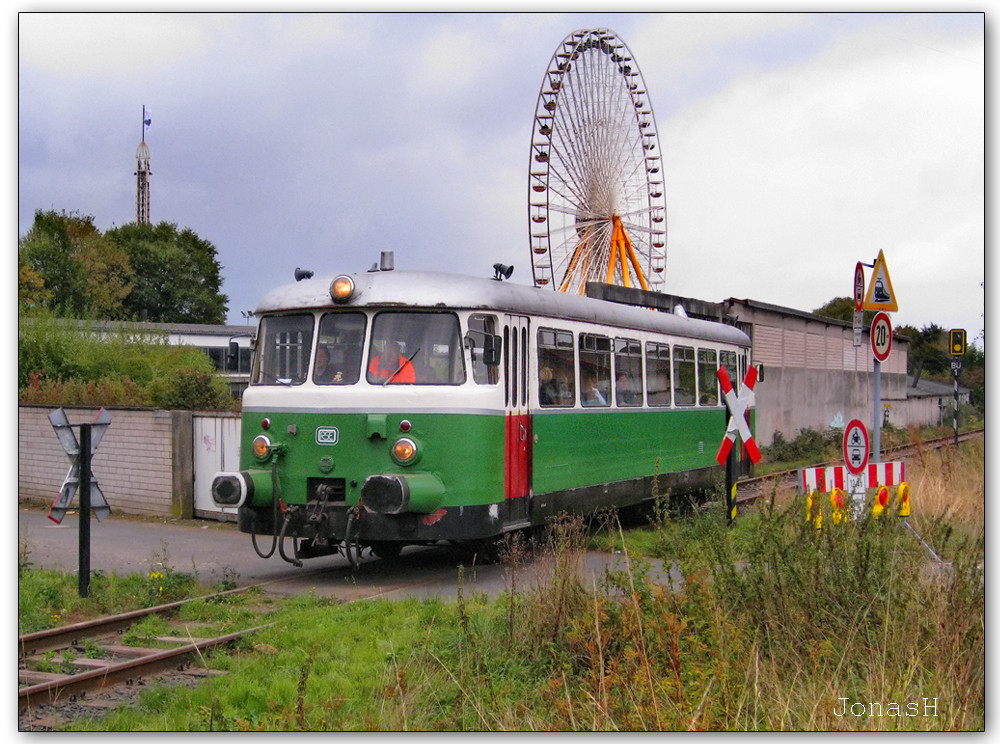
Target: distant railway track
{"type": "Point", "coordinates": [71, 650]}
{"type": "Point", "coordinates": [749, 490]}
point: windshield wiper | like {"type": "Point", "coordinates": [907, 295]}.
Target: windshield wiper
{"type": "Point", "coordinates": [274, 378]}
{"type": "Point", "coordinates": [407, 361]}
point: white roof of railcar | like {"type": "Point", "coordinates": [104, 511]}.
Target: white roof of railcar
{"type": "Point", "coordinates": [424, 289]}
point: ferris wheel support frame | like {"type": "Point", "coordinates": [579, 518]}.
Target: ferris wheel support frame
{"type": "Point", "coordinates": [586, 165]}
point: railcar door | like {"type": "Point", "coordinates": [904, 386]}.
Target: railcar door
{"type": "Point", "coordinates": [517, 456]}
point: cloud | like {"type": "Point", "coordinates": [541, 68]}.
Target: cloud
{"type": "Point", "coordinates": [80, 45]}
{"type": "Point", "coordinates": [783, 179]}
{"type": "Point", "coordinates": [794, 144]}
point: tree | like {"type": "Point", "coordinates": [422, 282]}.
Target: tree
{"type": "Point", "coordinates": [928, 351]}
{"type": "Point", "coordinates": [973, 376]}
{"type": "Point", "coordinates": [842, 308]}
{"type": "Point", "coordinates": [31, 291]}
{"type": "Point", "coordinates": [177, 277]}
{"type": "Point", "coordinates": [64, 263]}
{"type": "Point", "coordinates": [134, 272]}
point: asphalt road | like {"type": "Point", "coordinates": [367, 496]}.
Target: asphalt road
{"type": "Point", "coordinates": [217, 550]}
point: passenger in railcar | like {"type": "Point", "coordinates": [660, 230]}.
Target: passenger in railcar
{"type": "Point", "coordinates": [391, 366]}
{"type": "Point", "coordinates": [548, 392]}
{"type": "Point", "coordinates": [589, 394]}
{"type": "Point", "coordinates": [323, 371]}
{"type": "Point", "coordinates": [628, 391]}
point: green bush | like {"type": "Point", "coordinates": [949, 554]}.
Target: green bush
{"type": "Point", "coordinates": [186, 389]}
{"type": "Point", "coordinates": [62, 363]}
{"type": "Point", "coordinates": [809, 446]}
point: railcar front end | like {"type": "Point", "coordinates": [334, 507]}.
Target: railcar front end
{"type": "Point", "coordinates": [360, 431]}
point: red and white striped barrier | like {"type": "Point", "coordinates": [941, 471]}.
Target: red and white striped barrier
{"type": "Point", "coordinates": [825, 479]}
{"type": "Point", "coordinates": [886, 474]}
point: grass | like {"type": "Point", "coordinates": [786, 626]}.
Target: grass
{"type": "Point", "coordinates": [47, 599]}
{"type": "Point", "coordinates": [776, 626]}
{"type": "Point", "coordinates": [811, 447]}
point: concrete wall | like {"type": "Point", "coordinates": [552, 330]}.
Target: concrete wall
{"type": "Point", "coordinates": [792, 399]}
{"type": "Point", "coordinates": [814, 376]}
{"type": "Point", "coordinates": [926, 410]}
{"type": "Point", "coordinates": [144, 463]}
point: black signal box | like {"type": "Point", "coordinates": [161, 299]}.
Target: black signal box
{"type": "Point", "coordinates": [956, 342]}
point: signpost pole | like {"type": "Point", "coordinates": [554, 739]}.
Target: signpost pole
{"type": "Point", "coordinates": [877, 423]}
{"type": "Point", "coordinates": [881, 339]}
{"type": "Point", "coordinates": [956, 342]}
{"type": "Point", "coordinates": [730, 478]}
{"type": "Point", "coordinates": [956, 371]}
{"type": "Point", "coordinates": [84, 568]}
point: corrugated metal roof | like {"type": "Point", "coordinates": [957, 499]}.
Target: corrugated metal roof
{"type": "Point", "coordinates": [932, 389]}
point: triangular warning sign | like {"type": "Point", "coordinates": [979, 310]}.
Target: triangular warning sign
{"type": "Point", "coordinates": [880, 295]}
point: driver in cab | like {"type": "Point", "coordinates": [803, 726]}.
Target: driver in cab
{"type": "Point", "coordinates": [391, 366]}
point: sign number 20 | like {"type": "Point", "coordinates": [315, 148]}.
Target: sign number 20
{"type": "Point", "coordinates": [881, 336]}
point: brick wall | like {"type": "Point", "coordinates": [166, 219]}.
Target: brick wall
{"type": "Point", "coordinates": [143, 463]}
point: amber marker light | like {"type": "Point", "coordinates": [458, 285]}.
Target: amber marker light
{"type": "Point", "coordinates": [261, 447]}
{"type": "Point", "coordinates": [404, 451]}
{"type": "Point", "coordinates": [341, 288]}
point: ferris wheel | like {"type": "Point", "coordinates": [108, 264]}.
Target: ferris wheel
{"type": "Point", "coordinates": [595, 197]}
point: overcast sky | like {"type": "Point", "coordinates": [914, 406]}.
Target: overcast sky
{"type": "Point", "coordinates": [793, 145]}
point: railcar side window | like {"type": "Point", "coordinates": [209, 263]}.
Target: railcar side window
{"type": "Point", "coordinates": [684, 376]}
{"type": "Point", "coordinates": [338, 349]}
{"type": "Point", "coordinates": [708, 378]}
{"type": "Point", "coordinates": [284, 346]}
{"type": "Point", "coordinates": [510, 377]}
{"type": "Point", "coordinates": [595, 370]}
{"type": "Point", "coordinates": [524, 366]}
{"type": "Point", "coordinates": [416, 348]}
{"type": "Point", "coordinates": [728, 360]}
{"type": "Point", "coordinates": [556, 369]}
{"type": "Point", "coordinates": [628, 372]}
{"type": "Point", "coordinates": [481, 327]}
{"type": "Point", "coordinates": [658, 375]}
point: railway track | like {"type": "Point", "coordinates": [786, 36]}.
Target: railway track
{"type": "Point", "coordinates": [71, 683]}
{"type": "Point", "coordinates": [63, 665]}
{"type": "Point", "coordinates": [749, 490]}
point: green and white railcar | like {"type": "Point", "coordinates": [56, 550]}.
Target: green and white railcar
{"type": "Point", "coordinates": [500, 406]}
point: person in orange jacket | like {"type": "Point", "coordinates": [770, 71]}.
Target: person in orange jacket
{"type": "Point", "coordinates": [391, 366]}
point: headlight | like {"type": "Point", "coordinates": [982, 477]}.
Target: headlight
{"type": "Point", "coordinates": [341, 288]}
{"type": "Point", "coordinates": [404, 451]}
{"type": "Point", "coordinates": [261, 447]}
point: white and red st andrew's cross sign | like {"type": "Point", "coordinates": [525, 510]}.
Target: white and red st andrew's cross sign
{"type": "Point", "coordinates": [738, 406]}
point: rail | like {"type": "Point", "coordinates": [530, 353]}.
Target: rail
{"type": "Point", "coordinates": [119, 664]}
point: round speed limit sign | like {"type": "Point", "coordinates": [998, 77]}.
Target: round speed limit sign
{"type": "Point", "coordinates": [881, 337]}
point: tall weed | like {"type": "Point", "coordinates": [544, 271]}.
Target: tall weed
{"type": "Point", "coordinates": [771, 631]}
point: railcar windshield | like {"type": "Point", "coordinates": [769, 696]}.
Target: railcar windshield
{"type": "Point", "coordinates": [338, 348]}
{"type": "Point", "coordinates": [422, 348]}
{"type": "Point", "coordinates": [284, 347]}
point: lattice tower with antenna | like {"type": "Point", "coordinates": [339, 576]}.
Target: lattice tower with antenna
{"type": "Point", "coordinates": [142, 174]}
